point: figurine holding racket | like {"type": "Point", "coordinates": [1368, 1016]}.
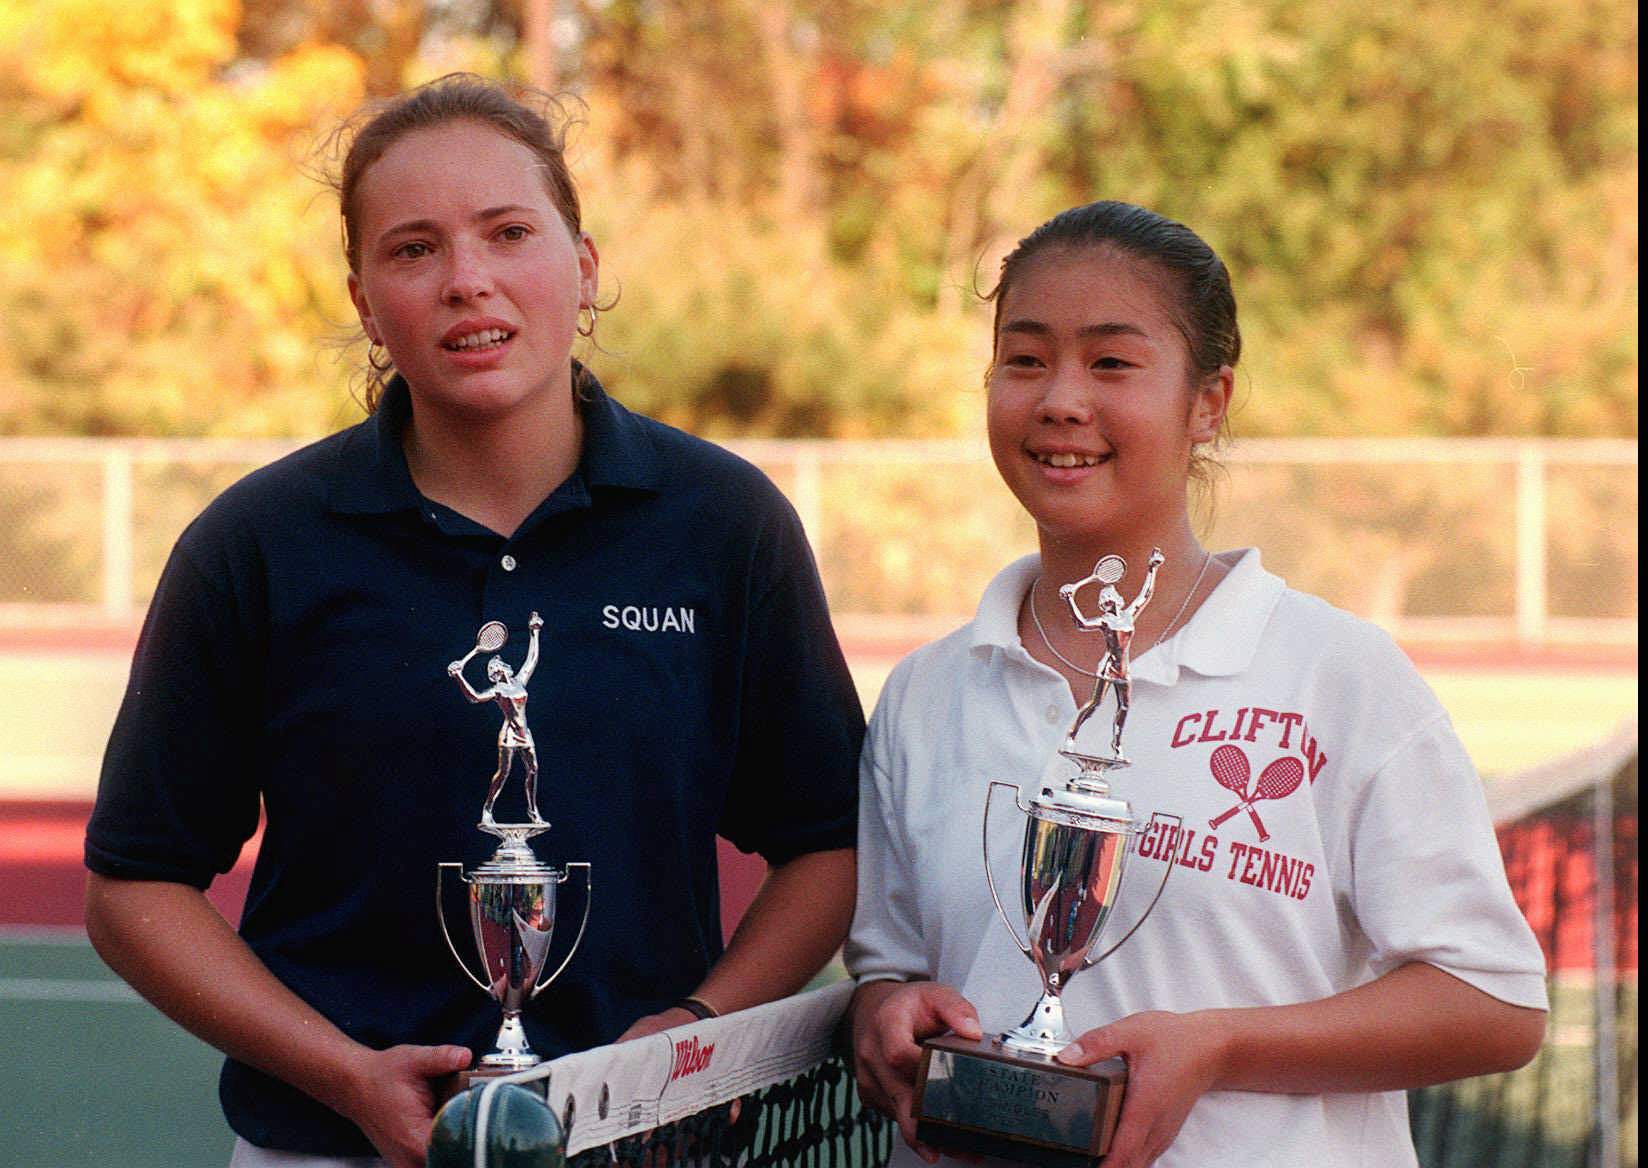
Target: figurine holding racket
{"type": "Point", "coordinates": [509, 691]}
{"type": "Point", "coordinates": [1116, 621]}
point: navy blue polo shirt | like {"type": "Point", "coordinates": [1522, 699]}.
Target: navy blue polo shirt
{"type": "Point", "coordinates": [295, 653]}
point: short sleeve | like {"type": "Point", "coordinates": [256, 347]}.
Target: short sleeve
{"type": "Point", "coordinates": [1428, 882]}
{"type": "Point", "coordinates": [178, 794]}
{"type": "Point", "coordinates": [885, 941]}
{"type": "Point", "coordinates": [793, 788]}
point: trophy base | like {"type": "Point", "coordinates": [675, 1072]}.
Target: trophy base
{"type": "Point", "coordinates": [1090, 763]}
{"type": "Point", "coordinates": [975, 1096]}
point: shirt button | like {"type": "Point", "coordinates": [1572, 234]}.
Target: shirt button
{"type": "Point", "coordinates": [508, 563]}
{"type": "Point", "coordinates": [1052, 713]}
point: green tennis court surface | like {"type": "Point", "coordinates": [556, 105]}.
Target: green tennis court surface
{"type": "Point", "coordinates": [94, 1076]}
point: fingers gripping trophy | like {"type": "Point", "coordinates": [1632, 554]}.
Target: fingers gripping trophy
{"type": "Point", "coordinates": [1004, 1095]}
{"type": "Point", "coordinates": [512, 897]}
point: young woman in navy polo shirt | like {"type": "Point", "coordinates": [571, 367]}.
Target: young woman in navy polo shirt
{"type": "Point", "coordinates": [1349, 936]}
{"type": "Point", "coordinates": [294, 659]}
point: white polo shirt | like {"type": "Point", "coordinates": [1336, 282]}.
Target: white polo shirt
{"type": "Point", "coordinates": [1383, 853]}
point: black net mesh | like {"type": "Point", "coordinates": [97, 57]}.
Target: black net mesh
{"type": "Point", "coordinates": [813, 1120]}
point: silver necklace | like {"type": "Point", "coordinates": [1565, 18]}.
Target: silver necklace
{"type": "Point", "coordinates": [1035, 616]}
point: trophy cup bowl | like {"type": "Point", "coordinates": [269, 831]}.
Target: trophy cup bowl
{"type": "Point", "coordinates": [1004, 1095]}
{"type": "Point", "coordinates": [512, 903]}
{"type": "Point", "coordinates": [1069, 875]}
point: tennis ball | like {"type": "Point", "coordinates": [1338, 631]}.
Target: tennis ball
{"type": "Point", "coordinates": [521, 1130]}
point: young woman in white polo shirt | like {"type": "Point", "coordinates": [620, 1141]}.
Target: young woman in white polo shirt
{"type": "Point", "coordinates": [1311, 958]}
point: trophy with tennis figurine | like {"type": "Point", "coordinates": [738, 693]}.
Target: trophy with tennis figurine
{"type": "Point", "coordinates": [512, 896]}
{"type": "Point", "coordinates": [1004, 1095]}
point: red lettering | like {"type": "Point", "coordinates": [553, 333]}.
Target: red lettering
{"type": "Point", "coordinates": [690, 1058]}
{"type": "Point", "coordinates": [1316, 757]}
{"type": "Point", "coordinates": [1210, 848]}
{"type": "Point", "coordinates": [1236, 729]}
{"type": "Point", "coordinates": [1289, 722]}
{"type": "Point", "coordinates": [1183, 735]}
{"type": "Point", "coordinates": [1272, 871]}
{"type": "Point", "coordinates": [1257, 721]}
{"type": "Point", "coordinates": [1267, 869]}
{"type": "Point", "coordinates": [1207, 734]}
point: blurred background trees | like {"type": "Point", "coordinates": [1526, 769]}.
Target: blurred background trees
{"type": "Point", "coordinates": [1429, 207]}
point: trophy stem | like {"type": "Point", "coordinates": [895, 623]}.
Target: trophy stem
{"type": "Point", "coordinates": [1044, 1031]}
{"type": "Point", "coordinates": [511, 1052]}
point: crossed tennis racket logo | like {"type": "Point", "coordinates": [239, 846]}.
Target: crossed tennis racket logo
{"type": "Point", "coordinates": [1277, 781]}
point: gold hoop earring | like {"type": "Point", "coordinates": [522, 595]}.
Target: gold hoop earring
{"type": "Point", "coordinates": [588, 330]}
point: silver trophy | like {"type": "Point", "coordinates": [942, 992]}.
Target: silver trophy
{"type": "Point", "coordinates": [512, 895]}
{"type": "Point", "coordinates": [1004, 1095]}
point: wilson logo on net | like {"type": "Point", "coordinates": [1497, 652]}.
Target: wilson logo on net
{"type": "Point", "coordinates": [690, 1058]}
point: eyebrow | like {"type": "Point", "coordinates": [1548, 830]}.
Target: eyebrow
{"type": "Point", "coordinates": [1111, 328]}
{"type": "Point", "coordinates": [413, 225]}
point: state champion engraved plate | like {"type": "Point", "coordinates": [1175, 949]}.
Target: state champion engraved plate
{"type": "Point", "coordinates": [977, 1098]}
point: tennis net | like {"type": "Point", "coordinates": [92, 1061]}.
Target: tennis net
{"type": "Point", "coordinates": [763, 1087]}
{"type": "Point", "coordinates": [1568, 832]}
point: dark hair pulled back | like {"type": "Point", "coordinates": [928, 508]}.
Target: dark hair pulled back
{"type": "Point", "coordinates": [1202, 305]}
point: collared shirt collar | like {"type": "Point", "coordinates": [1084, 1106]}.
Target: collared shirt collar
{"type": "Point", "coordinates": [371, 477]}
{"type": "Point", "coordinates": [1219, 639]}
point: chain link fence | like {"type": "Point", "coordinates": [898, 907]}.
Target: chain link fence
{"type": "Point", "coordinates": [1466, 539]}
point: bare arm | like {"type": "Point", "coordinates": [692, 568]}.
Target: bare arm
{"type": "Point", "coordinates": [1414, 1026]}
{"type": "Point", "coordinates": [795, 924]}
{"type": "Point", "coordinates": [178, 952]}
{"type": "Point", "coordinates": [1068, 591]}
{"type": "Point", "coordinates": [1148, 588]}
{"type": "Point", "coordinates": [534, 622]}
{"type": "Point", "coordinates": [455, 670]}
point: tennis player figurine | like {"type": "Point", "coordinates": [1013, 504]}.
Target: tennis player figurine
{"type": "Point", "coordinates": [509, 691]}
{"type": "Point", "coordinates": [512, 896]}
{"type": "Point", "coordinates": [1115, 620]}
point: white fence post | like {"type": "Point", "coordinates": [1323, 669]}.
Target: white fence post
{"type": "Point", "coordinates": [118, 557]}
{"type": "Point", "coordinates": [809, 493]}
{"type": "Point", "coordinates": [1531, 604]}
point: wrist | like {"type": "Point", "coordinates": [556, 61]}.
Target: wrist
{"type": "Point", "coordinates": [344, 1080]}
{"type": "Point", "coordinates": [868, 997]}
{"type": "Point", "coordinates": [698, 1007]}
{"type": "Point", "coordinates": [1220, 1028]}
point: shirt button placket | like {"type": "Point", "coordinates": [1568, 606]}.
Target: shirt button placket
{"type": "Point", "coordinates": [503, 585]}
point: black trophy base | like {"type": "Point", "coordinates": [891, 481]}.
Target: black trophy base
{"type": "Point", "coordinates": [974, 1096]}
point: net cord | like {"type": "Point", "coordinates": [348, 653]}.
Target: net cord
{"type": "Point", "coordinates": [765, 1045]}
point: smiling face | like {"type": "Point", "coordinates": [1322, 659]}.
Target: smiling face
{"type": "Point", "coordinates": [468, 274]}
{"type": "Point", "coordinates": [1093, 408]}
